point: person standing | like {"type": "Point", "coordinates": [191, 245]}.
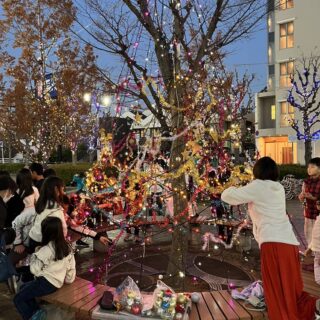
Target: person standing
{"type": "Point", "coordinates": [280, 263]}
{"type": "Point", "coordinates": [37, 174]}
{"type": "Point", "coordinates": [309, 195]}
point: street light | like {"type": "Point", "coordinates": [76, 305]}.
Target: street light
{"type": "Point", "coordinates": [87, 97]}
{"type": "Point", "coordinates": [106, 100]}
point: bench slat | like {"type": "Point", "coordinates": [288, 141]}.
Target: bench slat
{"type": "Point", "coordinates": [67, 289]}
{"type": "Point", "coordinates": [240, 311]}
{"type": "Point", "coordinates": [213, 307]}
{"type": "Point", "coordinates": [204, 313]}
{"type": "Point", "coordinates": [194, 315]}
{"type": "Point", "coordinates": [224, 306]}
{"type": "Point", "coordinates": [71, 302]}
{"type": "Point", "coordinates": [88, 307]}
{"type": "Point", "coordinates": [84, 305]}
{"type": "Point", "coordinates": [254, 314]}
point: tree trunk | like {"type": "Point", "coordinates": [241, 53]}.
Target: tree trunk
{"type": "Point", "coordinates": [179, 248]}
{"type": "Point", "coordinates": [9, 152]}
{"type": "Point", "coordinates": [74, 157]}
{"type": "Point", "coordinates": [307, 151]}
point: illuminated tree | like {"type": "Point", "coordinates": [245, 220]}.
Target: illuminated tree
{"type": "Point", "coordinates": [303, 96]}
{"type": "Point", "coordinates": [46, 76]}
{"type": "Point", "coordinates": [169, 48]}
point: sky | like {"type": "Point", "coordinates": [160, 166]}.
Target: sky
{"type": "Point", "coordinates": [250, 56]}
{"type": "Point", "coordinates": [246, 56]}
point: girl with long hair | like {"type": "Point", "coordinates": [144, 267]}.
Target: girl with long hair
{"type": "Point", "coordinates": [49, 204]}
{"type": "Point", "coordinates": [52, 264]}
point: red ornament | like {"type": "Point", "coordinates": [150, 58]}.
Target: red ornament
{"type": "Point", "coordinates": [136, 309]}
{"type": "Point", "coordinates": [179, 308]}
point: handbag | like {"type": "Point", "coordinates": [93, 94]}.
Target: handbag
{"type": "Point", "coordinates": [106, 301]}
{"type": "Point", "coordinates": [7, 270]}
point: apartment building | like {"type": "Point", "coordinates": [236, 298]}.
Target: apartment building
{"type": "Point", "coordinates": [292, 27]}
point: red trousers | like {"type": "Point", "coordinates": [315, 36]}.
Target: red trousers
{"type": "Point", "coordinates": [282, 283]}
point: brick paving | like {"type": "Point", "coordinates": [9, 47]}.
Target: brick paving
{"type": "Point", "coordinates": [294, 209]}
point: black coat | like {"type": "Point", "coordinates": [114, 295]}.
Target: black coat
{"type": "Point", "coordinates": [3, 213]}
{"type": "Point", "coordinates": [14, 207]}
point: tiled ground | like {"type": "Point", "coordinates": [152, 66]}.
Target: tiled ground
{"type": "Point", "coordinates": [86, 259]}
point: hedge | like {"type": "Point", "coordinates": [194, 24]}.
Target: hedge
{"type": "Point", "coordinates": [65, 171]}
{"type": "Point", "coordinates": [300, 172]}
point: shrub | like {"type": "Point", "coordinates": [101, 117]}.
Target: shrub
{"type": "Point", "coordinates": [300, 172]}
{"type": "Point", "coordinates": [12, 168]}
{"type": "Point", "coordinates": [66, 171]}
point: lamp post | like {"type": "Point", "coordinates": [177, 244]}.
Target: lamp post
{"type": "Point", "coordinates": [97, 102]}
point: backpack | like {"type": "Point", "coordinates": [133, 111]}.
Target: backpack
{"type": "Point", "coordinates": [7, 270]}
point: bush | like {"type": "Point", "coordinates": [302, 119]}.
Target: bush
{"type": "Point", "coordinates": [66, 171]}
{"type": "Point", "coordinates": [300, 172]}
{"type": "Point", "coordinates": [12, 168]}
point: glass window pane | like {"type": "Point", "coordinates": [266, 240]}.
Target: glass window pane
{"type": "Point", "coordinates": [290, 28]}
{"type": "Point", "coordinates": [283, 42]}
{"type": "Point", "coordinates": [290, 41]}
{"type": "Point", "coordinates": [283, 68]}
{"type": "Point", "coordinates": [282, 4]}
{"type": "Point", "coordinates": [289, 4]}
{"type": "Point", "coordinates": [290, 67]}
{"type": "Point", "coordinates": [283, 29]}
{"type": "Point", "coordinates": [283, 81]}
{"type": "Point", "coordinates": [283, 107]}
{"type": "Point", "coordinates": [273, 112]}
{"type": "Point", "coordinates": [283, 121]}
{"type": "Point", "coordinates": [291, 109]}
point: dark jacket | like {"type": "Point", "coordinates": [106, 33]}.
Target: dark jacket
{"type": "Point", "coordinates": [3, 213]}
{"type": "Point", "coordinates": [14, 207]}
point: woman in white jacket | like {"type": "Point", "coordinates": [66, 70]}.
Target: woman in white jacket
{"type": "Point", "coordinates": [280, 263]}
{"type": "Point", "coordinates": [52, 264]}
{"type": "Point", "coordinates": [48, 205]}
{"type": "Point", "coordinates": [23, 222]}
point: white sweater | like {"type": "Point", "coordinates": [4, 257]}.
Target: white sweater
{"type": "Point", "coordinates": [57, 272]}
{"type": "Point", "coordinates": [315, 240]}
{"type": "Point", "coordinates": [22, 225]}
{"type": "Point", "coordinates": [31, 199]}
{"type": "Point", "coordinates": [35, 231]}
{"type": "Point", "coordinates": [267, 209]}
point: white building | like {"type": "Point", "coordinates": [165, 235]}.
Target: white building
{"type": "Point", "coordinates": [292, 33]}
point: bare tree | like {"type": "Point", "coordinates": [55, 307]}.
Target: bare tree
{"type": "Point", "coordinates": [167, 48]}
{"type": "Point", "coordinates": [304, 97]}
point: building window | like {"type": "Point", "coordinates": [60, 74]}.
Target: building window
{"type": "Point", "coordinates": [286, 70]}
{"type": "Point", "coordinates": [273, 112]}
{"type": "Point", "coordinates": [287, 114]}
{"type": "Point", "coordinates": [285, 4]}
{"type": "Point", "coordinates": [286, 35]}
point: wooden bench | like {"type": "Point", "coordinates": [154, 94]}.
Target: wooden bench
{"type": "Point", "coordinates": [82, 297]}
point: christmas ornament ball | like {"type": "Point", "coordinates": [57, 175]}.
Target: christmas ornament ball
{"type": "Point", "coordinates": [136, 309]}
{"type": "Point", "coordinates": [195, 297]}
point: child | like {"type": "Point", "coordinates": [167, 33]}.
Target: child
{"type": "Point", "coordinates": [27, 192]}
{"type": "Point", "coordinates": [315, 246]}
{"type": "Point", "coordinates": [23, 222]}
{"type": "Point", "coordinates": [280, 264]}
{"type": "Point", "coordinates": [53, 265]}
{"type": "Point", "coordinates": [49, 204]}
{"type": "Point", "coordinates": [310, 193]}
{"type": "Point", "coordinates": [76, 231]}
